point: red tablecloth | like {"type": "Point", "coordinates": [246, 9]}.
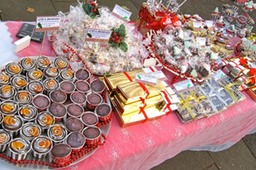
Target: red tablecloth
{"type": "Point", "coordinates": [148, 144]}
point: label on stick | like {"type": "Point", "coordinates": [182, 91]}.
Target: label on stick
{"type": "Point", "coordinates": [97, 35]}
{"type": "Point", "coordinates": [121, 13]}
{"type": "Point", "coordinates": [47, 23]}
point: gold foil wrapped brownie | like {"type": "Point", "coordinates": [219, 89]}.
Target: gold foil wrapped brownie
{"type": "Point", "coordinates": [120, 78]}
{"type": "Point", "coordinates": [133, 91]}
{"type": "Point", "coordinates": [135, 107]}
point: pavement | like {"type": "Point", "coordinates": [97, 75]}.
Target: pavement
{"type": "Point", "coordinates": [241, 156]}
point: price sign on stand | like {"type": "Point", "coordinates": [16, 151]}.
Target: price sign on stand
{"type": "Point", "coordinates": [47, 23]}
{"type": "Point", "coordinates": [121, 13]}
{"type": "Point", "coordinates": [97, 35]}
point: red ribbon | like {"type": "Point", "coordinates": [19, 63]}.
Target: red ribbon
{"type": "Point", "coordinates": [128, 76]}
{"type": "Point", "coordinates": [142, 109]}
{"type": "Point", "coordinates": [144, 88]}
{"type": "Point", "coordinates": [151, 68]}
{"type": "Point", "coordinates": [166, 96]}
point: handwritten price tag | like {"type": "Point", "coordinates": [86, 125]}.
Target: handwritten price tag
{"type": "Point", "coordinates": [121, 13]}
{"type": "Point", "coordinates": [48, 23]}
{"type": "Point", "coordinates": [97, 35]}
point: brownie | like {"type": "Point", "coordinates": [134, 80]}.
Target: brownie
{"type": "Point", "coordinates": [41, 101]}
{"type": "Point", "coordinates": [75, 109]}
{"type": "Point", "coordinates": [58, 96]}
{"type": "Point", "coordinates": [91, 132]}
{"type": "Point", "coordinates": [74, 124]}
{"type": "Point", "coordinates": [67, 86]}
{"type": "Point", "coordinates": [61, 150]}
{"type": "Point", "coordinates": [82, 74]}
{"type": "Point", "coordinates": [97, 86]}
{"type": "Point", "coordinates": [57, 109]}
{"type": "Point", "coordinates": [76, 139]}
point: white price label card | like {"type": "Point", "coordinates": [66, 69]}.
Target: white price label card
{"type": "Point", "coordinates": [183, 85]}
{"type": "Point", "coordinates": [201, 41]}
{"type": "Point", "coordinates": [47, 23]}
{"type": "Point", "coordinates": [97, 35]}
{"type": "Point", "coordinates": [121, 13]}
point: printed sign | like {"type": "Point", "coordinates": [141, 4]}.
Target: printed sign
{"type": "Point", "coordinates": [49, 23]}
{"type": "Point", "coordinates": [97, 35]}
{"type": "Point", "coordinates": [183, 85]}
{"type": "Point", "coordinates": [121, 13]}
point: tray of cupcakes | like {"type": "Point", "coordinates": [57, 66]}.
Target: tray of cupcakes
{"type": "Point", "coordinates": [51, 114]}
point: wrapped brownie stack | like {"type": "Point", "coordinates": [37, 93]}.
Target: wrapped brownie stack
{"type": "Point", "coordinates": [139, 96]}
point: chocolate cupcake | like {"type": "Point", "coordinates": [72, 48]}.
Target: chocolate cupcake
{"type": "Point", "coordinates": [4, 78]}
{"type": "Point", "coordinates": [103, 111]}
{"type": "Point", "coordinates": [13, 69]}
{"type": "Point", "coordinates": [58, 110]}
{"type": "Point", "coordinates": [57, 133]}
{"type": "Point", "coordinates": [67, 74]}
{"type": "Point", "coordinates": [67, 86]}
{"type": "Point", "coordinates": [30, 130]}
{"type": "Point", "coordinates": [9, 107]}
{"type": "Point", "coordinates": [58, 96]}
{"type": "Point", "coordinates": [19, 149]}
{"type": "Point", "coordinates": [45, 120]}
{"type": "Point", "coordinates": [76, 140]}
{"type": "Point", "coordinates": [60, 154]}
{"type": "Point", "coordinates": [43, 62]}
{"type": "Point", "coordinates": [98, 86]}
{"type": "Point", "coordinates": [5, 139]}
{"type": "Point", "coordinates": [23, 97]}
{"type": "Point", "coordinates": [51, 72]}
{"type": "Point", "coordinates": [7, 92]}
{"type": "Point", "coordinates": [41, 101]}
{"type": "Point", "coordinates": [75, 110]}
{"type": "Point", "coordinates": [41, 146]}
{"type": "Point", "coordinates": [82, 74]}
{"type": "Point", "coordinates": [50, 84]}
{"type": "Point", "coordinates": [27, 112]}
{"type": "Point", "coordinates": [92, 135]}
{"type": "Point", "coordinates": [93, 100]}
{"type": "Point", "coordinates": [27, 64]}
{"type": "Point", "coordinates": [61, 63]}
{"type": "Point", "coordinates": [35, 87]}
{"type": "Point", "coordinates": [74, 124]}
{"type": "Point", "coordinates": [89, 118]}
{"type": "Point", "coordinates": [78, 97]}
{"type": "Point", "coordinates": [12, 124]}
{"type": "Point", "coordinates": [82, 86]}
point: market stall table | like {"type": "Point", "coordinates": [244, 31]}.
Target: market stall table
{"type": "Point", "coordinates": [148, 144]}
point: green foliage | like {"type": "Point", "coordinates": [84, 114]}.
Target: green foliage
{"type": "Point", "coordinates": [91, 10]}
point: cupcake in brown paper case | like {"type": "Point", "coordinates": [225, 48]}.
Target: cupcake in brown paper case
{"type": "Point", "coordinates": [19, 148]}
{"type": "Point", "coordinates": [57, 133]}
{"type": "Point", "coordinates": [61, 63]}
{"type": "Point", "coordinates": [23, 97]}
{"type": "Point", "coordinates": [13, 68]}
{"type": "Point", "coordinates": [5, 139]}
{"type": "Point", "coordinates": [67, 74]}
{"type": "Point", "coordinates": [12, 124]}
{"type": "Point", "coordinates": [41, 146]}
{"type": "Point", "coordinates": [30, 130]}
{"type": "Point", "coordinates": [43, 62]}
{"type": "Point", "coordinates": [27, 112]}
{"type": "Point", "coordinates": [7, 92]}
{"type": "Point", "coordinates": [35, 87]}
{"type": "Point", "coordinates": [35, 74]}
{"type": "Point", "coordinates": [9, 107]}
{"type": "Point", "coordinates": [28, 64]}
{"type": "Point", "coordinates": [45, 120]}
{"type": "Point", "coordinates": [51, 72]}
{"type": "Point", "coordinates": [4, 78]}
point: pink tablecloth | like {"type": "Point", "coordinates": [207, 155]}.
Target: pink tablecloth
{"type": "Point", "coordinates": [148, 144]}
